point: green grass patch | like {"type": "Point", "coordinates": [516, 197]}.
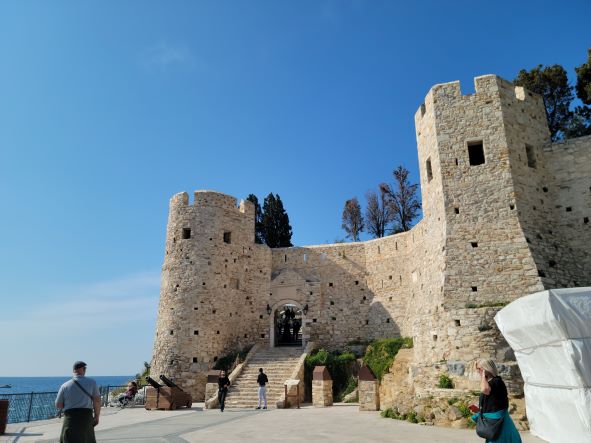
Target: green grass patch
{"type": "Point", "coordinates": [499, 304]}
{"type": "Point", "coordinates": [380, 354]}
{"type": "Point", "coordinates": [445, 382]}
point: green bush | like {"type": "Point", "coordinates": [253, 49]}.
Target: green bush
{"type": "Point", "coordinates": [412, 417]}
{"type": "Point", "coordinates": [463, 407]}
{"type": "Point", "coordinates": [445, 382]}
{"type": "Point", "coordinates": [338, 364]}
{"type": "Point", "coordinates": [140, 378]}
{"type": "Point", "coordinates": [227, 361]}
{"type": "Point", "coordinates": [380, 354]}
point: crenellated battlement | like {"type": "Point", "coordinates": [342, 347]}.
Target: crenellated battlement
{"type": "Point", "coordinates": [488, 88]}
{"type": "Point", "coordinates": [204, 198]}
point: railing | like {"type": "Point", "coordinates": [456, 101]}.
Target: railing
{"type": "Point", "coordinates": [41, 405]}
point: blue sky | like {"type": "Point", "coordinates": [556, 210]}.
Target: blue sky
{"type": "Point", "coordinates": [109, 108]}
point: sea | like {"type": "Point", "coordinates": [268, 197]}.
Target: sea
{"type": "Point", "coordinates": [21, 385]}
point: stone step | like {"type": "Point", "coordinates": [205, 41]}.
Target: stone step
{"type": "Point", "coordinates": [278, 364]}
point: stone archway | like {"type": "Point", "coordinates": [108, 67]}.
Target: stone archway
{"type": "Point", "coordinates": [275, 309]}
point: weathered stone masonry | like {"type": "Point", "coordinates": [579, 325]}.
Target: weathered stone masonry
{"type": "Point", "coordinates": [505, 213]}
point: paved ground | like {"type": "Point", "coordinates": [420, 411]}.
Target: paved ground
{"type": "Point", "coordinates": [340, 423]}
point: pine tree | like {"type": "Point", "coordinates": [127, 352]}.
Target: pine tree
{"type": "Point", "coordinates": [551, 82]}
{"type": "Point", "coordinates": [275, 221]}
{"type": "Point", "coordinates": [258, 219]}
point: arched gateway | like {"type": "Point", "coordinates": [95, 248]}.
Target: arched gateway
{"type": "Point", "coordinates": [286, 324]}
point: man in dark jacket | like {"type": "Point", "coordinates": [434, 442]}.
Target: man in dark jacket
{"type": "Point", "coordinates": [223, 385]}
{"type": "Point", "coordinates": [262, 380]}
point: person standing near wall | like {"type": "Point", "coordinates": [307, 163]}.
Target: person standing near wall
{"type": "Point", "coordinates": [78, 398]}
{"type": "Point", "coordinates": [223, 385]}
{"type": "Point", "coordinates": [262, 380]}
{"type": "Point", "coordinates": [494, 403]}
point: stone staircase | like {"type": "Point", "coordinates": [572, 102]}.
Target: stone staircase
{"type": "Point", "coordinates": [278, 363]}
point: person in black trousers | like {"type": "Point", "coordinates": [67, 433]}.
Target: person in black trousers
{"type": "Point", "coordinates": [223, 385]}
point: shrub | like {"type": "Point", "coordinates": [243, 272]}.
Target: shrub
{"type": "Point", "coordinates": [351, 386]}
{"type": "Point", "coordinates": [412, 417]}
{"type": "Point", "coordinates": [338, 364]}
{"type": "Point", "coordinates": [463, 407]}
{"type": "Point", "coordinates": [445, 382]}
{"type": "Point", "coordinates": [380, 354]}
{"type": "Point", "coordinates": [227, 361]}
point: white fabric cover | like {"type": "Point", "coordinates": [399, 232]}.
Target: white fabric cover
{"type": "Point", "coordinates": [550, 332]}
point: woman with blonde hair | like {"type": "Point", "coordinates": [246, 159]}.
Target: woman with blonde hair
{"type": "Point", "coordinates": [494, 404]}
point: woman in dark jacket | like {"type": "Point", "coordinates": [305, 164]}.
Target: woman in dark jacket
{"type": "Point", "coordinates": [223, 385]}
{"type": "Point", "coordinates": [494, 402]}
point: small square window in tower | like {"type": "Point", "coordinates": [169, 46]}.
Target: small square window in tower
{"type": "Point", "coordinates": [476, 153]}
{"type": "Point", "coordinates": [186, 233]}
{"type": "Point", "coordinates": [429, 170]}
{"type": "Point", "coordinates": [531, 156]}
{"type": "Point", "coordinates": [227, 237]}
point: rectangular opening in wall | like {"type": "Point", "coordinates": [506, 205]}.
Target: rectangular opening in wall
{"type": "Point", "coordinates": [234, 283]}
{"type": "Point", "coordinates": [456, 210]}
{"type": "Point", "coordinates": [476, 153]}
{"type": "Point", "coordinates": [474, 244]}
{"type": "Point", "coordinates": [474, 288]}
{"type": "Point", "coordinates": [195, 332]}
{"type": "Point", "coordinates": [457, 322]}
{"type": "Point", "coordinates": [227, 237]}
{"type": "Point", "coordinates": [194, 359]}
{"type": "Point", "coordinates": [531, 156]}
{"type": "Point", "coordinates": [429, 170]}
{"type": "Point", "coordinates": [186, 233]}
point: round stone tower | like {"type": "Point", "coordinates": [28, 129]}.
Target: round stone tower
{"type": "Point", "coordinates": [209, 266]}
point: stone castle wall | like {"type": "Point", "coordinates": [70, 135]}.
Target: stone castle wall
{"type": "Point", "coordinates": [490, 233]}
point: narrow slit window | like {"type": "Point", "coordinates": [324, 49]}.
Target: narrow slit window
{"type": "Point", "coordinates": [476, 153]}
{"type": "Point", "coordinates": [531, 156]}
{"type": "Point", "coordinates": [227, 237]}
{"type": "Point", "coordinates": [429, 170]}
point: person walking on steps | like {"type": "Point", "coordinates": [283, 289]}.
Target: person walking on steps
{"type": "Point", "coordinates": [78, 398]}
{"type": "Point", "coordinates": [223, 385]}
{"type": "Point", "coordinates": [262, 380]}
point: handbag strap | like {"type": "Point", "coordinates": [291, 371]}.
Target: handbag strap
{"type": "Point", "coordinates": [83, 390]}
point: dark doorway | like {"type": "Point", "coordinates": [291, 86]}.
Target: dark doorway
{"type": "Point", "coordinates": [288, 326]}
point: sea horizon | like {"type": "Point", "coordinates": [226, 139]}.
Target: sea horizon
{"type": "Point", "coordinates": [25, 385]}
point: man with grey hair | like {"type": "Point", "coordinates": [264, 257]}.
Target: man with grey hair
{"type": "Point", "coordinates": [78, 397]}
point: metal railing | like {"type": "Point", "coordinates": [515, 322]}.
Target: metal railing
{"type": "Point", "coordinates": [41, 405]}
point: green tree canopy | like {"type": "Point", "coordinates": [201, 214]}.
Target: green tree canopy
{"type": "Point", "coordinates": [275, 221]}
{"type": "Point", "coordinates": [584, 80]}
{"type": "Point", "coordinates": [551, 82]}
{"type": "Point", "coordinates": [258, 219]}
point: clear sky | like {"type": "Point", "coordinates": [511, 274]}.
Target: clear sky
{"type": "Point", "coordinates": [108, 108]}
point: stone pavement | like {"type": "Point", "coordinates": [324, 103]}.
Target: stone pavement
{"type": "Point", "coordinates": [340, 423]}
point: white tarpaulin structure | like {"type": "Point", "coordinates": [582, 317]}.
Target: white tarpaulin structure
{"type": "Point", "coordinates": [550, 332]}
